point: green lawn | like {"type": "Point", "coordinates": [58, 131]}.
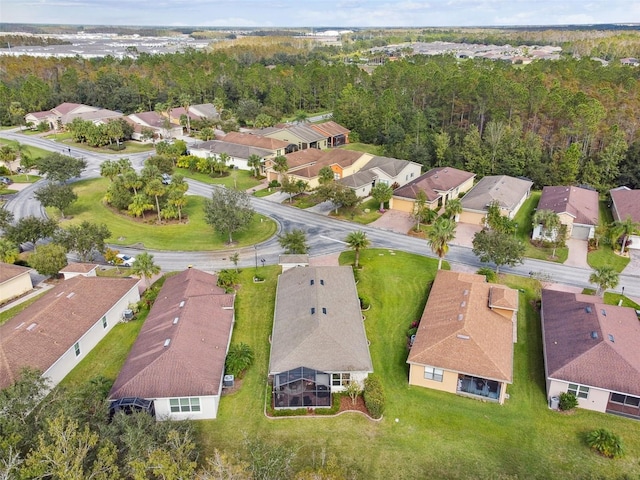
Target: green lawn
{"type": "Point", "coordinates": [364, 147]}
{"type": "Point", "coordinates": [34, 152]}
{"type": "Point", "coordinates": [366, 212]}
{"type": "Point", "coordinates": [13, 311]}
{"type": "Point", "coordinates": [23, 178]}
{"type": "Point", "coordinates": [437, 435]}
{"type": "Point", "coordinates": [192, 236]}
{"type": "Point", "coordinates": [611, 298]}
{"type": "Point", "coordinates": [237, 179]}
{"type": "Point", "coordinates": [130, 146]}
{"type": "Point", "coordinates": [604, 255]}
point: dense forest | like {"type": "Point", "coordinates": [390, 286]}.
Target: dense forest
{"type": "Point", "coordinates": [572, 121]}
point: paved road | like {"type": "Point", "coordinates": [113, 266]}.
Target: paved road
{"type": "Point", "coordinates": [325, 235]}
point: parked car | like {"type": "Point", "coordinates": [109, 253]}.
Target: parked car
{"type": "Point", "coordinates": [6, 180]}
{"type": "Point", "coordinates": [127, 260]}
{"type": "Point", "coordinates": [166, 179]}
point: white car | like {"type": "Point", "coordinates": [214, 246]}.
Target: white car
{"type": "Point", "coordinates": [127, 260]}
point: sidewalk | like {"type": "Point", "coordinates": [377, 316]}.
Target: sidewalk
{"type": "Point", "coordinates": [38, 289]}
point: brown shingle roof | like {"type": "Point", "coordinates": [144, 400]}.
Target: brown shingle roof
{"type": "Point", "coordinates": [9, 271]}
{"type": "Point", "coordinates": [79, 268]}
{"type": "Point", "coordinates": [330, 128]}
{"type": "Point", "coordinates": [331, 337]}
{"type": "Point", "coordinates": [192, 363]}
{"type": "Point", "coordinates": [433, 183]}
{"type": "Point", "coordinates": [627, 203]}
{"type": "Point", "coordinates": [259, 141]}
{"type": "Point", "coordinates": [610, 361]}
{"type": "Point", "coordinates": [307, 163]}
{"type": "Point", "coordinates": [39, 335]}
{"type": "Point", "coordinates": [459, 332]}
{"type": "Point", "coordinates": [66, 108]}
{"type": "Point", "coordinates": [580, 203]}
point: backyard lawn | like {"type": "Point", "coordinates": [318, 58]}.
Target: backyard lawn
{"type": "Point", "coordinates": [126, 231]}
{"type": "Point", "coordinates": [237, 179]}
{"type": "Point", "coordinates": [363, 147]}
{"type": "Point", "coordinates": [437, 435]}
{"type": "Point", "coordinates": [604, 255]}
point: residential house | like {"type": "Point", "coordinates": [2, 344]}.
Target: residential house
{"type": "Point", "coordinates": [58, 330]}
{"type": "Point", "coordinates": [56, 115]}
{"type": "Point", "coordinates": [75, 269]}
{"type": "Point", "coordinates": [335, 133]}
{"type": "Point", "coordinates": [625, 203]}
{"type": "Point", "coordinates": [439, 186]}
{"type": "Point", "coordinates": [389, 171]}
{"type": "Point", "coordinates": [306, 164]}
{"type": "Point", "coordinates": [176, 365]}
{"type": "Point", "coordinates": [508, 193]}
{"type": "Point", "coordinates": [297, 137]}
{"type": "Point", "coordinates": [161, 126]}
{"type": "Point", "coordinates": [14, 281]}
{"type": "Point", "coordinates": [275, 146]}
{"type": "Point", "coordinates": [591, 350]}
{"type": "Point", "coordinates": [318, 343]}
{"type": "Point", "coordinates": [204, 110]}
{"type": "Point", "coordinates": [239, 153]}
{"type": "Point", "coordinates": [464, 342]}
{"type": "Point", "coordinates": [576, 207]}
{"type": "Point", "coordinates": [289, 260]}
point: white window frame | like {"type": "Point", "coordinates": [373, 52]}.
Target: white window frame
{"type": "Point", "coordinates": [580, 391]}
{"type": "Point", "coordinates": [433, 373]}
{"type": "Point", "coordinates": [105, 324]}
{"type": "Point", "coordinates": [76, 348]}
{"type": "Point", "coordinates": [184, 405]}
{"type": "Point", "coordinates": [340, 379]}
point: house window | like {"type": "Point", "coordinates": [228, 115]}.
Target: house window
{"type": "Point", "coordinates": [433, 373]}
{"type": "Point", "coordinates": [104, 322]}
{"type": "Point", "coordinates": [579, 391]}
{"type": "Point", "coordinates": [76, 347]}
{"type": "Point", "coordinates": [189, 404]}
{"type": "Point", "coordinates": [627, 400]}
{"type": "Point", "coordinates": [340, 379]}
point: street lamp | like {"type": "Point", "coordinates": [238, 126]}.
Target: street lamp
{"type": "Point", "coordinates": [623, 291]}
{"type": "Point", "coordinates": [255, 247]}
{"type": "Point", "coordinates": [262, 260]}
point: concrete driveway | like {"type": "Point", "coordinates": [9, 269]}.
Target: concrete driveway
{"type": "Point", "coordinates": [394, 221]}
{"type": "Point", "coordinates": [577, 253]}
{"type": "Point", "coordinates": [633, 267]}
{"type": "Point", "coordinates": [465, 233]}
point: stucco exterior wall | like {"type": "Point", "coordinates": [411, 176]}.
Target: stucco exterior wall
{"type": "Point", "coordinates": [208, 409]}
{"type": "Point", "coordinates": [597, 399]}
{"type": "Point", "coordinates": [449, 381]}
{"type": "Point", "coordinates": [90, 339]}
{"type": "Point", "coordinates": [15, 287]}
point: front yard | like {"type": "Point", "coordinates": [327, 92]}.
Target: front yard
{"type": "Point", "coordinates": [437, 435]}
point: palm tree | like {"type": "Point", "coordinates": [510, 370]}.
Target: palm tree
{"type": "Point", "coordinates": [604, 277]}
{"type": "Point", "coordinates": [439, 236]}
{"type": "Point", "coordinates": [280, 165]}
{"type": "Point", "coordinates": [357, 241]}
{"type": "Point", "coordinates": [623, 228]}
{"type": "Point", "coordinates": [325, 175]}
{"type": "Point", "coordinates": [156, 189]}
{"type": "Point", "coordinates": [253, 162]}
{"type": "Point", "coordinates": [185, 102]}
{"type": "Point", "coordinates": [453, 208]}
{"type": "Point", "coordinates": [145, 267]}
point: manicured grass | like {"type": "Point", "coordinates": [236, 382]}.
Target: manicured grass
{"type": "Point", "coordinates": [611, 298]}
{"type": "Point", "coordinates": [438, 435]}
{"type": "Point", "coordinates": [604, 255]}
{"type": "Point", "coordinates": [130, 146]}
{"type": "Point", "coordinates": [364, 147]}
{"type": "Point", "coordinates": [237, 179]}
{"type": "Point", "coordinates": [263, 193]}
{"type": "Point", "coordinates": [23, 178]}
{"type": "Point", "coordinates": [13, 311]}
{"type": "Point", "coordinates": [360, 214]}
{"type": "Point", "coordinates": [34, 152]}
{"type": "Point", "coordinates": [192, 236]}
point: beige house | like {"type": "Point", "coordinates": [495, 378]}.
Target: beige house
{"type": "Point", "coordinates": [58, 330]}
{"type": "Point", "coordinates": [176, 365]}
{"type": "Point", "coordinates": [388, 171]}
{"type": "Point", "coordinates": [239, 154]}
{"type": "Point", "coordinates": [335, 133]}
{"type": "Point", "coordinates": [508, 192]}
{"type": "Point", "coordinates": [59, 115]}
{"type": "Point", "coordinates": [464, 342]}
{"type": "Point", "coordinates": [439, 185]}
{"type": "Point", "coordinates": [576, 207]}
{"type": "Point", "coordinates": [298, 137]}
{"type": "Point", "coordinates": [591, 350]}
{"type": "Point", "coordinates": [14, 281]}
{"type": "Point", "coordinates": [318, 344]}
{"type": "Point", "coordinates": [76, 269]}
{"type": "Point", "coordinates": [154, 121]}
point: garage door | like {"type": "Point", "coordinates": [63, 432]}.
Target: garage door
{"type": "Point", "coordinates": [580, 232]}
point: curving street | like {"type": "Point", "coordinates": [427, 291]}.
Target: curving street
{"type": "Point", "coordinates": [325, 235]}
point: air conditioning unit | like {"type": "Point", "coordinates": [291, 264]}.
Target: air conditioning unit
{"type": "Point", "coordinates": [127, 315]}
{"type": "Point", "coordinates": [228, 381]}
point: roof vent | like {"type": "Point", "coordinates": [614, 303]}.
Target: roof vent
{"type": "Point", "coordinates": [460, 316]}
{"type": "Point", "coordinates": [32, 326]}
{"type": "Point", "coordinates": [167, 342]}
{"type": "Point", "coordinates": [463, 304]}
{"type": "Point", "coordinates": [465, 293]}
{"type": "Point", "coordinates": [324, 310]}
{"type": "Point", "coordinates": [463, 337]}
{"type": "Point", "coordinates": [71, 294]}
{"type": "Point", "coordinates": [611, 339]}
{"type": "Point", "coordinates": [313, 310]}
{"type": "Point", "coordinates": [321, 282]}
{"type": "Point", "coordinates": [604, 312]}
{"type": "Point", "coordinates": [312, 281]}
{"type": "Point", "coordinates": [175, 320]}
{"type": "Point", "coordinates": [588, 309]}
{"type": "Point", "coordinates": [594, 334]}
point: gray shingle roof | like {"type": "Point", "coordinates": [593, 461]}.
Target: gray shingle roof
{"type": "Point", "coordinates": [506, 191]}
{"type": "Point", "coordinates": [318, 323]}
{"type": "Point", "coordinates": [391, 166]}
{"type": "Point", "coordinates": [234, 149]}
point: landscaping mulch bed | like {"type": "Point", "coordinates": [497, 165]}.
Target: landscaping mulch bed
{"type": "Point", "coordinates": [347, 406]}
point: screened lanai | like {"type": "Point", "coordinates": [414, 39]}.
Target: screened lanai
{"type": "Point", "coordinates": [301, 387]}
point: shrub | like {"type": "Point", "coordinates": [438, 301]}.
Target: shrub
{"type": "Point", "coordinates": [353, 390]}
{"type": "Point", "coordinates": [568, 401]}
{"type": "Point", "coordinates": [605, 442]}
{"type": "Point", "coordinates": [239, 358]}
{"type": "Point", "coordinates": [364, 302]}
{"type": "Point", "coordinates": [374, 396]}
{"type": "Point", "coordinates": [489, 274]}
{"type": "Point", "coordinates": [412, 331]}
{"type": "Point", "coordinates": [356, 275]}
{"type": "Point", "coordinates": [227, 279]}
{"type": "Point", "coordinates": [274, 184]}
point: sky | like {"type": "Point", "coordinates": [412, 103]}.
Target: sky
{"type": "Point", "coordinates": [316, 13]}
